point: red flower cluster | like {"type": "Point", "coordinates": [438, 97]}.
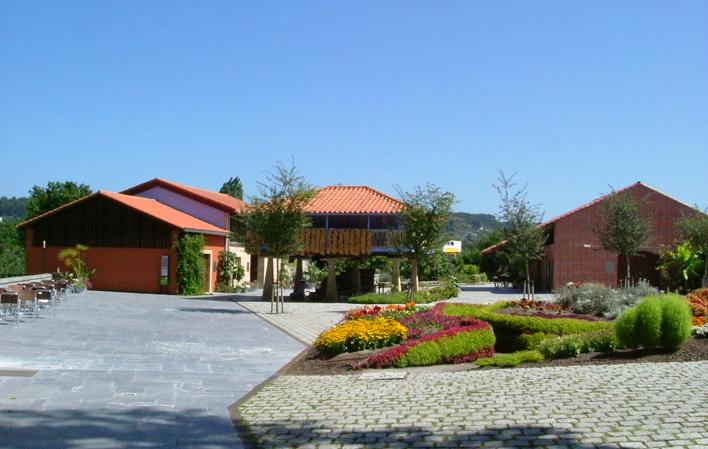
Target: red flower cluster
{"type": "Point", "coordinates": [375, 310]}
{"type": "Point", "coordinates": [420, 325]}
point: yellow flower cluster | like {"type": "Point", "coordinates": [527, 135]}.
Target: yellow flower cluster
{"type": "Point", "coordinates": [357, 335]}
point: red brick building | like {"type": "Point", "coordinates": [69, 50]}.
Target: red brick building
{"type": "Point", "coordinates": [131, 237]}
{"type": "Point", "coordinates": [574, 252]}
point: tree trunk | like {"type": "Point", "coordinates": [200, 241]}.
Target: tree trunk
{"type": "Point", "coordinates": [299, 281]}
{"type": "Point", "coordinates": [356, 279]}
{"type": "Point", "coordinates": [528, 278]}
{"type": "Point", "coordinates": [268, 281]}
{"type": "Point", "coordinates": [414, 278]}
{"type": "Point", "coordinates": [396, 276]}
{"type": "Point", "coordinates": [628, 276]}
{"type": "Point", "coordinates": [331, 292]}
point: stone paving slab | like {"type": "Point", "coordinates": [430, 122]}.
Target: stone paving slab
{"type": "Point", "coordinates": [303, 320]}
{"type": "Point", "coordinates": [134, 370]}
{"type": "Point", "coordinates": [580, 407]}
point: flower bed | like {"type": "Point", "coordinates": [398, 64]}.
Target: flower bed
{"type": "Point", "coordinates": [370, 311]}
{"type": "Point", "coordinates": [360, 334]}
{"type": "Point", "coordinates": [513, 331]}
{"type": "Point", "coordinates": [434, 337]}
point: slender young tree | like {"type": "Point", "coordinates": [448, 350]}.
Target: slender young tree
{"type": "Point", "coordinates": [233, 187]}
{"type": "Point", "coordinates": [525, 238]}
{"type": "Point", "coordinates": [694, 228]}
{"type": "Point", "coordinates": [623, 229]}
{"type": "Point", "coordinates": [424, 217]}
{"type": "Point", "coordinates": [276, 219]}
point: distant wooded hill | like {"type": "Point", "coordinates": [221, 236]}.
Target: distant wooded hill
{"type": "Point", "coordinates": [471, 227]}
{"type": "Point", "coordinates": [13, 207]}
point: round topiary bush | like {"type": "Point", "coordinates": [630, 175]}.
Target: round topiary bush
{"type": "Point", "coordinates": [675, 321]}
{"type": "Point", "coordinates": [657, 321]}
{"type": "Point", "coordinates": [648, 323]}
{"type": "Point", "coordinates": [624, 329]}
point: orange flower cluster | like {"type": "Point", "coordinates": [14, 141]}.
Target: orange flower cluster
{"type": "Point", "coordinates": [698, 321]}
{"type": "Point", "coordinates": [698, 300]}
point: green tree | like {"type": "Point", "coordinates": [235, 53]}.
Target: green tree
{"type": "Point", "coordinates": [13, 207]}
{"type": "Point", "coordinates": [525, 238]}
{"type": "Point", "coordinates": [694, 228]}
{"type": "Point", "coordinates": [12, 249]}
{"type": "Point", "coordinates": [684, 260]}
{"type": "Point", "coordinates": [424, 217]}
{"type": "Point", "coordinates": [623, 229]}
{"type": "Point", "coordinates": [233, 187]}
{"type": "Point", "coordinates": [190, 264]}
{"type": "Point", "coordinates": [276, 219]}
{"type": "Point", "coordinates": [55, 194]}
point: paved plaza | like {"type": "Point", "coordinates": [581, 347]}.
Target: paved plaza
{"type": "Point", "coordinates": [580, 407]}
{"type": "Point", "coordinates": [120, 370]}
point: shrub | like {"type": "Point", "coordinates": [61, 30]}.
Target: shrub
{"type": "Point", "coordinates": [190, 264]}
{"type": "Point", "coordinates": [386, 298]}
{"type": "Point", "coordinates": [511, 360]}
{"type": "Point", "coordinates": [509, 328]}
{"type": "Point", "coordinates": [531, 341]}
{"type": "Point", "coordinates": [567, 346]}
{"type": "Point", "coordinates": [597, 299]}
{"type": "Point", "coordinates": [657, 321]}
{"type": "Point", "coordinates": [675, 321]}
{"type": "Point", "coordinates": [624, 329]}
{"type": "Point", "coordinates": [357, 335]}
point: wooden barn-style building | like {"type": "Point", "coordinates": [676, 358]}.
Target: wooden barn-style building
{"type": "Point", "coordinates": [131, 235]}
{"type": "Point", "coordinates": [573, 252]}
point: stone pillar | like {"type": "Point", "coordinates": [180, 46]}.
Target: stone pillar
{"type": "Point", "coordinates": [356, 278]}
{"type": "Point", "coordinates": [396, 275]}
{"type": "Point", "coordinates": [299, 281]}
{"type": "Point", "coordinates": [414, 277]}
{"type": "Point", "coordinates": [268, 280]}
{"type": "Point", "coordinates": [331, 292]}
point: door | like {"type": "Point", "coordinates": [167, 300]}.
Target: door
{"type": "Point", "coordinates": [207, 273]}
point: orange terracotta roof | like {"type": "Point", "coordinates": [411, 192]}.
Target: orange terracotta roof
{"type": "Point", "coordinates": [149, 207]}
{"type": "Point", "coordinates": [353, 200]}
{"type": "Point", "coordinates": [221, 200]}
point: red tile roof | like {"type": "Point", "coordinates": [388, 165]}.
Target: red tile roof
{"type": "Point", "coordinates": [149, 207]}
{"type": "Point", "coordinates": [353, 200]}
{"type": "Point", "coordinates": [220, 200]}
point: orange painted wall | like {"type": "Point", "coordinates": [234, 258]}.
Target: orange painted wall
{"type": "Point", "coordinates": [121, 269]}
{"type": "Point", "coordinates": [215, 243]}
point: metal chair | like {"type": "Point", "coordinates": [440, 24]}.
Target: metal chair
{"type": "Point", "coordinates": [9, 301]}
{"type": "Point", "coordinates": [43, 299]}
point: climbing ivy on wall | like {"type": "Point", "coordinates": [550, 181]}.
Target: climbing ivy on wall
{"type": "Point", "coordinates": [190, 264]}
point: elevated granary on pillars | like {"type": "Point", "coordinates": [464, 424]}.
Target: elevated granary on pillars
{"type": "Point", "coordinates": [352, 222]}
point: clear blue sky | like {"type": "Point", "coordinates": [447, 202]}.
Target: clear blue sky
{"type": "Point", "coordinates": [573, 96]}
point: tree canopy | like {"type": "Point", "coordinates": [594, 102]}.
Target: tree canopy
{"type": "Point", "coordinates": [424, 218]}
{"type": "Point", "coordinates": [55, 194]}
{"type": "Point", "coordinates": [233, 187]}
{"type": "Point", "coordinates": [525, 239]}
{"type": "Point", "coordinates": [623, 229]}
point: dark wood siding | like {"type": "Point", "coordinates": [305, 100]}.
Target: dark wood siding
{"type": "Point", "coordinates": [102, 222]}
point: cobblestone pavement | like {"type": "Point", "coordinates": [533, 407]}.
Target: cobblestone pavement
{"type": "Point", "coordinates": [487, 294]}
{"type": "Point", "coordinates": [302, 320]}
{"type": "Point", "coordinates": [120, 370]}
{"type": "Point", "coordinates": [581, 407]}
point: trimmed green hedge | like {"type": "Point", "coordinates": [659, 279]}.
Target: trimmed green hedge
{"type": "Point", "coordinates": [511, 360]}
{"type": "Point", "coordinates": [446, 349]}
{"type": "Point", "coordinates": [511, 330]}
{"type": "Point", "coordinates": [387, 298]}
